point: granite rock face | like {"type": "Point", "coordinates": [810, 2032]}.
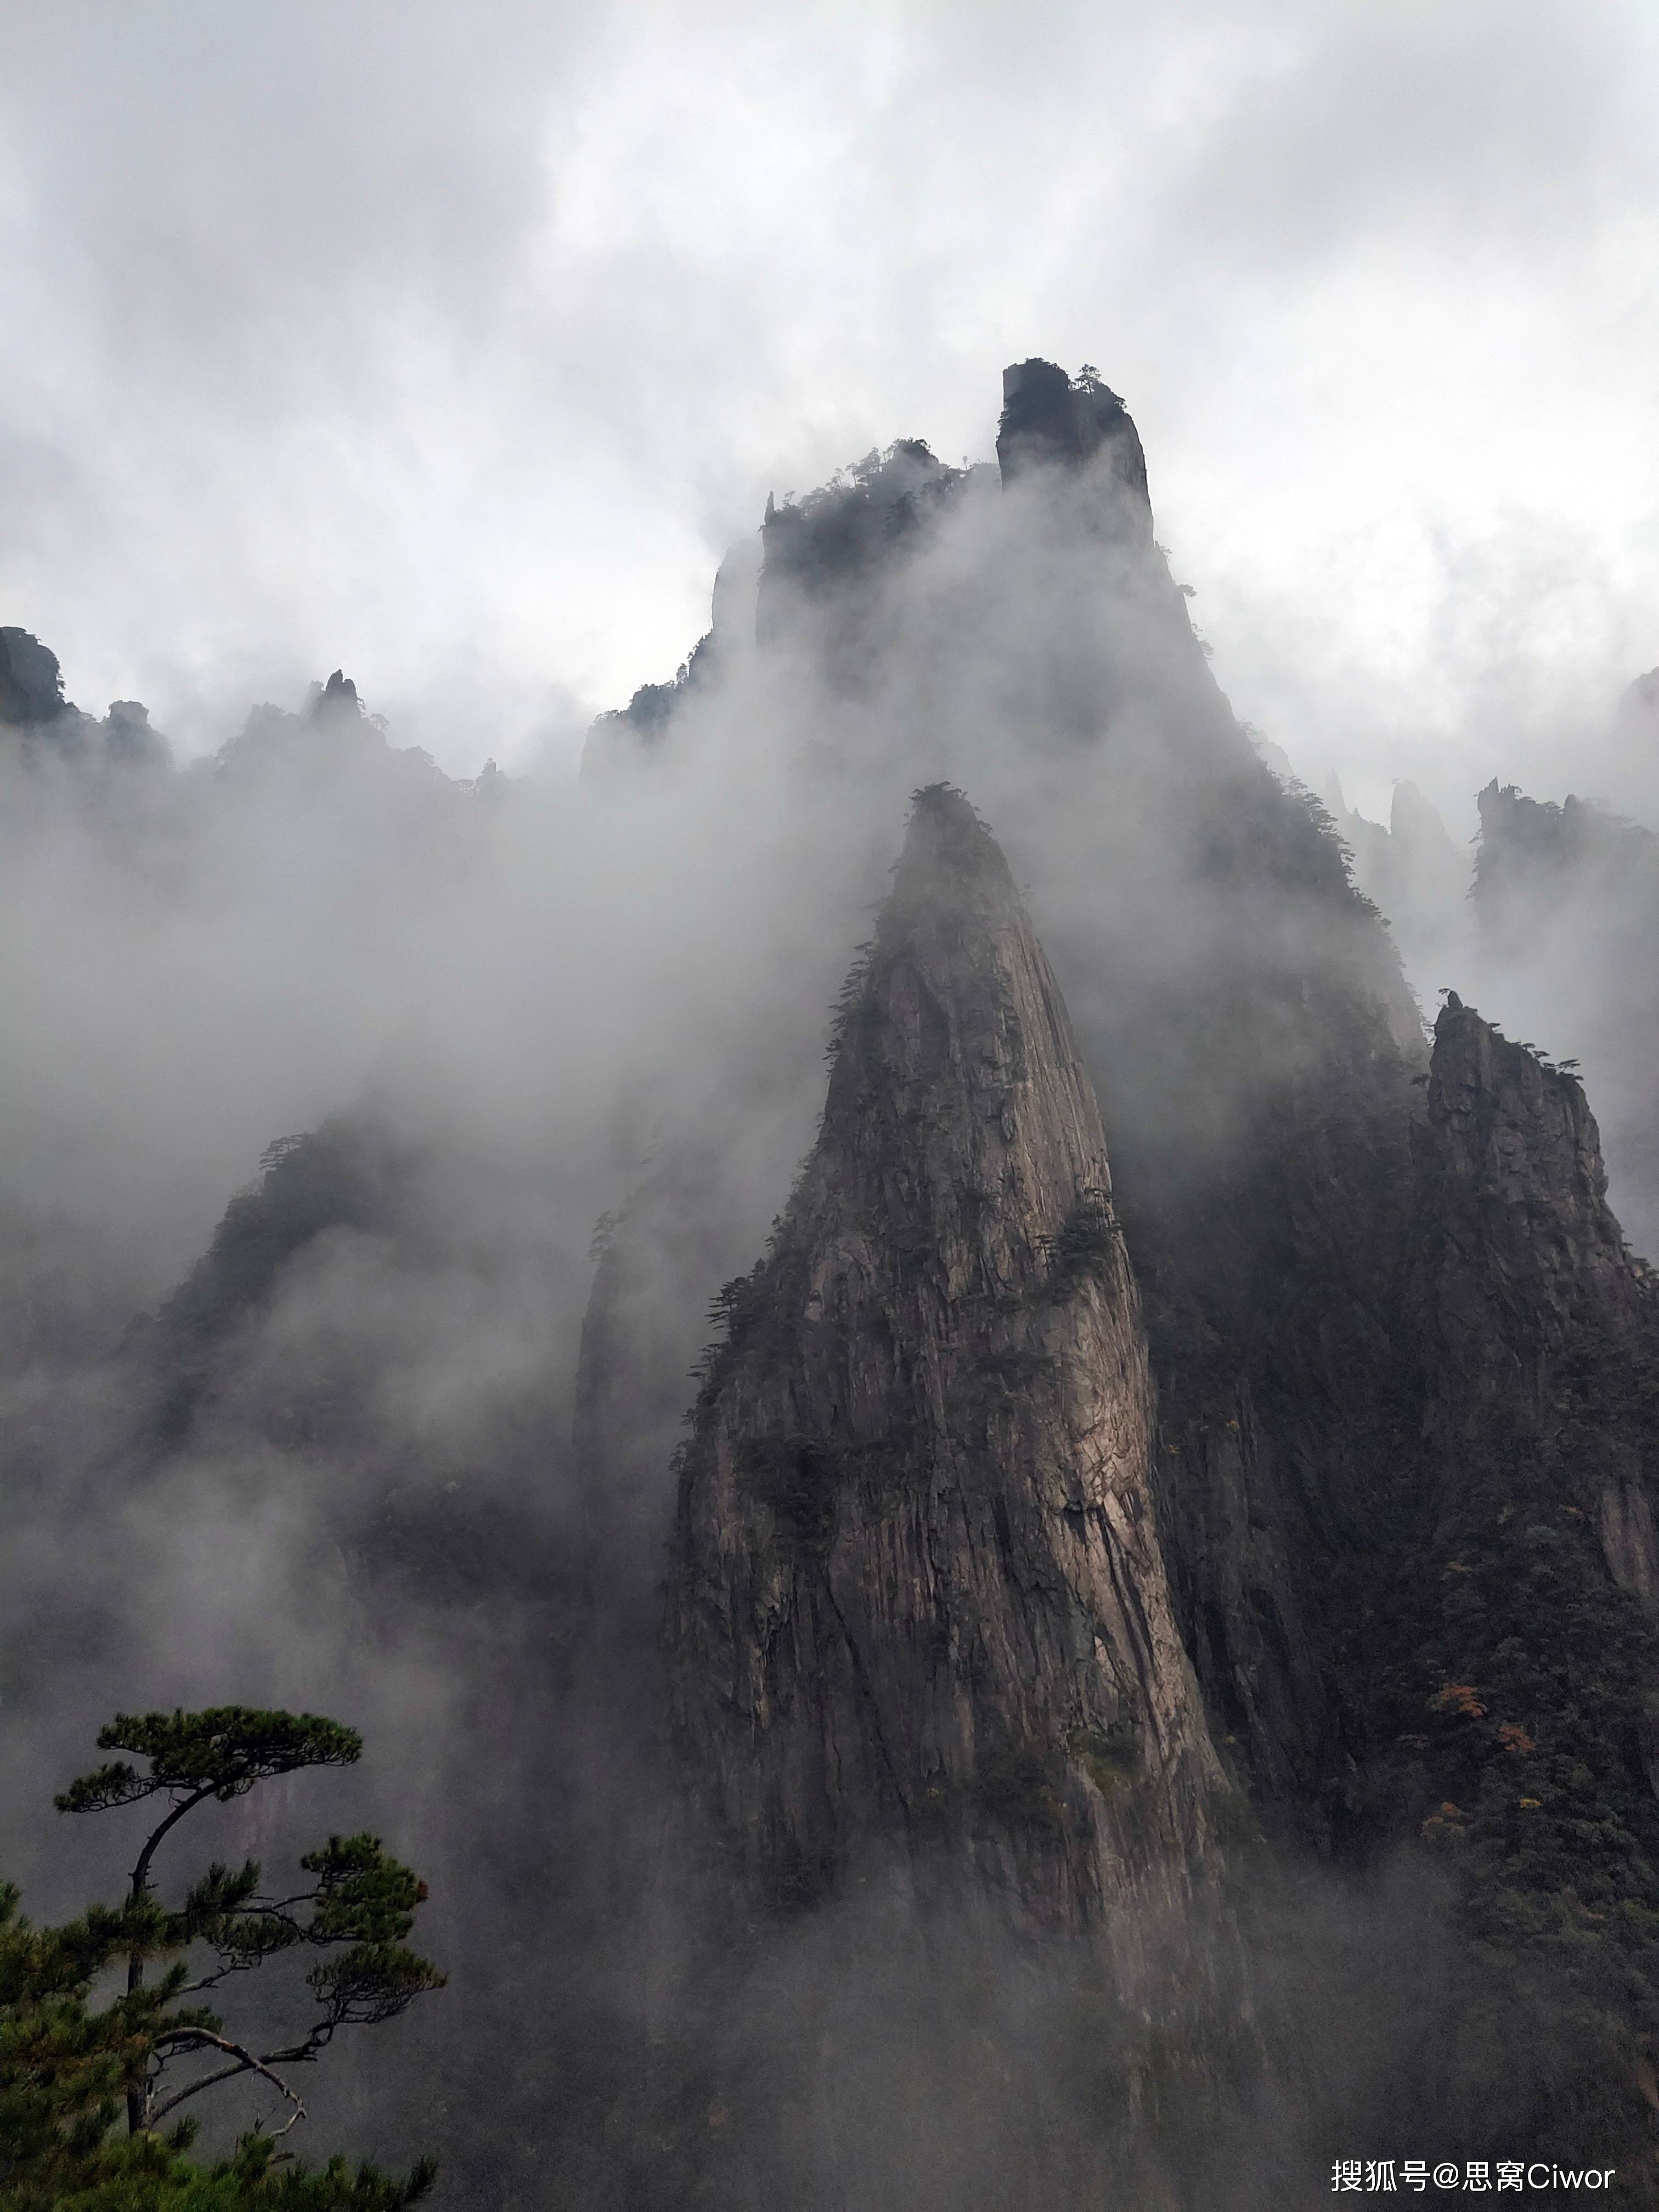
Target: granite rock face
{"type": "Point", "coordinates": [1395, 1469]}
{"type": "Point", "coordinates": [1519, 1241]}
{"type": "Point", "coordinates": [1523, 1285]}
{"type": "Point", "coordinates": [1238, 1007]}
{"type": "Point", "coordinates": [918, 1595]}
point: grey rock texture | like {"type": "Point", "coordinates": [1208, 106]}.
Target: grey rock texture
{"type": "Point", "coordinates": [1522, 1282]}
{"type": "Point", "coordinates": [1238, 1007]}
{"type": "Point", "coordinates": [1519, 1241]}
{"type": "Point", "coordinates": [918, 1595]}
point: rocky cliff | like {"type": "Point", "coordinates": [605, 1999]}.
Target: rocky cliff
{"type": "Point", "coordinates": [1238, 1007]}
{"type": "Point", "coordinates": [1079, 427]}
{"type": "Point", "coordinates": [1494, 1663]}
{"type": "Point", "coordinates": [1044, 1525]}
{"type": "Point", "coordinates": [1534, 855]}
{"type": "Point", "coordinates": [1518, 1249]}
{"type": "Point", "coordinates": [1400, 1456]}
{"type": "Point", "coordinates": [918, 1593]}
{"type": "Point", "coordinates": [1566, 904]}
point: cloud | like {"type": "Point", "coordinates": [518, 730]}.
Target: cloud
{"type": "Point", "coordinates": [457, 352]}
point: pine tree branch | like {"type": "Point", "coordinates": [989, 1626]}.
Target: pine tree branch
{"type": "Point", "coordinates": [200, 2037]}
{"type": "Point", "coordinates": [302, 2054]}
{"type": "Point", "coordinates": [141, 1871]}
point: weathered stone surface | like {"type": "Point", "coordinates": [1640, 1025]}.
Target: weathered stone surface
{"type": "Point", "coordinates": [1521, 1275]}
{"type": "Point", "coordinates": [1238, 1007]}
{"type": "Point", "coordinates": [1518, 1245]}
{"type": "Point", "coordinates": [918, 1595]}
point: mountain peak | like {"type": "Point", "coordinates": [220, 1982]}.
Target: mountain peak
{"type": "Point", "coordinates": [919, 1605]}
{"type": "Point", "coordinates": [31, 683]}
{"type": "Point", "coordinates": [949, 853]}
{"type": "Point", "coordinates": [1075, 425]}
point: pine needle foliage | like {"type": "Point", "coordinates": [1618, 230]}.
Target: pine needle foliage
{"type": "Point", "coordinates": [71, 2069]}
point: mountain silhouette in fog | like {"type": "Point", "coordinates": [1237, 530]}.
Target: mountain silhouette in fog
{"type": "Point", "coordinates": [1166, 1518]}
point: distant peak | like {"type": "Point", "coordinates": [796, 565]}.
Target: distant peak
{"type": "Point", "coordinates": [338, 696]}
{"type": "Point", "coordinates": [31, 684]}
{"type": "Point", "coordinates": [1051, 419]}
{"type": "Point", "coordinates": [1640, 701]}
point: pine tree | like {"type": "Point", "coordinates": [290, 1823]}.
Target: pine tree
{"type": "Point", "coordinates": [68, 2067]}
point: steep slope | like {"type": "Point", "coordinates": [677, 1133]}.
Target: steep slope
{"type": "Point", "coordinates": [918, 1593]}
{"type": "Point", "coordinates": [1500, 1670]}
{"type": "Point", "coordinates": [270, 1367]}
{"type": "Point", "coordinates": [1566, 900]}
{"type": "Point", "coordinates": [1518, 1249]}
{"type": "Point", "coordinates": [1531, 852]}
{"type": "Point", "coordinates": [1404, 1453]}
{"type": "Point", "coordinates": [1237, 1004]}
{"type": "Point", "coordinates": [1078, 424]}
{"type": "Point", "coordinates": [1411, 869]}
{"type": "Point", "coordinates": [1258, 1098]}
{"type": "Point", "coordinates": [343, 1176]}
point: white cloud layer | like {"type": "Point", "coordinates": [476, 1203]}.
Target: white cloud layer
{"type": "Point", "coordinates": [453, 346]}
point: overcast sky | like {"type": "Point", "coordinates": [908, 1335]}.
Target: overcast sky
{"type": "Point", "coordinates": [453, 344]}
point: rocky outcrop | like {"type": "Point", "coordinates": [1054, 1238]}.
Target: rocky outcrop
{"type": "Point", "coordinates": [631, 735]}
{"type": "Point", "coordinates": [1411, 869]}
{"type": "Point", "coordinates": [1498, 1668]}
{"type": "Point", "coordinates": [1518, 1246]}
{"type": "Point", "coordinates": [1399, 1492]}
{"type": "Point", "coordinates": [1567, 901]}
{"type": "Point", "coordinates": [1534, 1310]}
{"type": "Point", "coordinates": [129, 738]}
{"type": "Point", "coordinates": [1238, 1007]}
{"type": "Point", "coordinates": [339, 697]}
{"type": "Point", "coordinates": [830, 559]}
{"type": "Point", "coordinates": [51, 727]}
{"type": "Point", "coordinates": [1079, 426]}
{"type": "Point", "coordinates": [919, 1597]}
{"type": "Point", "coordinates": [1533, 851]}
{"type": "Point", "coordinates": [31, 685]}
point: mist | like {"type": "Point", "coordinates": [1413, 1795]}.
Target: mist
{"type": "Point", "coordinates": [393, 1081]}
